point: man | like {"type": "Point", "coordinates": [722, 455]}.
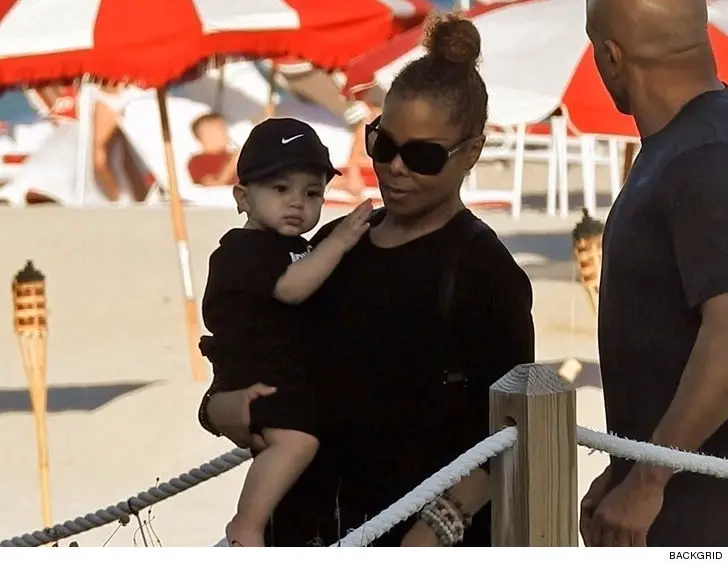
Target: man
{"type": "Point", "coordinates": [663, 320]}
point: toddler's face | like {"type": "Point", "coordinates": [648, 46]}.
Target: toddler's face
{"type": "Point", "coordinates": [289, 203]}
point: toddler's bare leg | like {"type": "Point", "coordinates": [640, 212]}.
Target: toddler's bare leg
{"type": "Point", "coordinates": [271, 475]}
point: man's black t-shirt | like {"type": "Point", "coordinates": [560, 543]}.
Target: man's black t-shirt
{"type": "Point", "coordinates": [389, 419]}
{"type": "Point", "coordinates": [665, 253]}
{"type": "Point", "coordinates": [256, 337]}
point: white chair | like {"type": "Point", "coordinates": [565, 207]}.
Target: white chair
{"type": "Point", "coordinates": [582, 150]}
{"type": "Point", "coordinates": [19, 144]}
{"type": "Point", "coordinates": [514, 144]}
{"type": "Point", "coordinates": [11, 161]}
{"type": "Point", "coordinates": [142, 127]}
{"type": "Point", "coordinates": [557, 146]}
{"type": "Point", "coordinates": [51, 172]}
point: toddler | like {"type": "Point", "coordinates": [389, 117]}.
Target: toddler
{"type": "Point", "coordinates": [255, 305]}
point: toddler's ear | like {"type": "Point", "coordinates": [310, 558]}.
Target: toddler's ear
{"type": "Point", "coordinates": [240, 194]}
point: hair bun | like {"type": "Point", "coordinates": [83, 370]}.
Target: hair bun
{"type": "Point", "coordinates": [454, 38]}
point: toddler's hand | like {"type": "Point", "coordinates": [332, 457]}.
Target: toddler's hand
{"type": "Point", "coordinates": [349, 231]}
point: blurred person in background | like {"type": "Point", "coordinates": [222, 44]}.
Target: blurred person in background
{"type": "Point", "coordinates": [317, 86]}
{"type": "Point", "coordinates": [106, 138]}
{"type": "Point", "coordinates": [216, 164]}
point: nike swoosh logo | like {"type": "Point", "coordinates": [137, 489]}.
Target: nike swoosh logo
{"type": "Point", "coordinates": [287, 140]}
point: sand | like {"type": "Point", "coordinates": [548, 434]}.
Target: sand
{"type": "Point", "coordinates": [121, 394]}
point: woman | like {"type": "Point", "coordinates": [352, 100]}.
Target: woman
{"type": "Point", "coordinates": [402, 389]}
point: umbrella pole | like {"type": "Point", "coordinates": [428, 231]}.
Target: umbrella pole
{"type": "Point", "coordinates": [180, 237]}
{"type": "Point", "coordinates": [220, 89]}
{"type": "Point", "coordinates": [270, 108]}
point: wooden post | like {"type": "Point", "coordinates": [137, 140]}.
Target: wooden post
{"type": "Point", "coordinates": [535, 482]}
{"type": "Point", "coordinates": [220, 96]}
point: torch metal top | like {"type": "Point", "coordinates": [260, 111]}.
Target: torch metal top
{"type": "Point", "coordinates": [589, 227]}
{"type": "Point", "coordinates": [29, 274]}
{"type": "Point", "coordinates": [29, 304]}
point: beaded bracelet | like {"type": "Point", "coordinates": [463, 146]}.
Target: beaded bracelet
{"type": "Point", "coordinates": [445, 521]}
{"type": "Point", "coordinates": [442, 531]}
{"type": "Point", "coordinates": [467, 518]}
{"type": "Point", "coordinates": [451, 517]}
{"type": "Point", "coordinates": [451, 511]}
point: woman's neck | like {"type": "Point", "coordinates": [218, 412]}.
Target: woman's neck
{"type": "Point", "coordinates": [395, 230]}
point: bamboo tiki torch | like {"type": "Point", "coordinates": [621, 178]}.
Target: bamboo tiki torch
{"type": "Point", "coordinates": [587, 239]}
{"type": "Point", "coordinates": [31, 326]}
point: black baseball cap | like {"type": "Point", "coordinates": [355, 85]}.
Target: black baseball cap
{"type": "Point", "coordinates": [277, 144]}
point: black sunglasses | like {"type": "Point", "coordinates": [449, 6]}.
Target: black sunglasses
{"type": "Point", "coordinates": [419, 156]}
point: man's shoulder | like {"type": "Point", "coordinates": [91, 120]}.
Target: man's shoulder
{"type": "Point", "coordinates": [703, 158]}
{"type": "Point", "coordinates": [703, 165]}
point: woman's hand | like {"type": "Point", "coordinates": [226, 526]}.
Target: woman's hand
{"type": "Point", "coordinates": [421, 535]}
{"type": "Point", "coordinates": [229, 413]}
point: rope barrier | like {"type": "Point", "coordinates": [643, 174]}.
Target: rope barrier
{"type": "Point", "coordinates": [656, 455]}
{"type": "Point", "coordinates": [428, 490]}
{"type": "Point", "coordinates": [438, 483]}
{"type": "Point", "coordinates": [133, 505]}
{"type": "Point", "coordinates": [410, 503]}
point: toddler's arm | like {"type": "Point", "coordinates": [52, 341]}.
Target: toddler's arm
{"type": "Point", "coordinates": [305, 276]}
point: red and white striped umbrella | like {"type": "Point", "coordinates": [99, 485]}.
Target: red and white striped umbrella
{"type": "Point", "coordinates": [379, 65]}
{"type": "Point", "coordinates": [536, 57]}
{"type": "Point", "coordinates": [151, 42]}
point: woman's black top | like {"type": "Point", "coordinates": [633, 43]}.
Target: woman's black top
{"type": "Point", "coordinates": [389, 416]}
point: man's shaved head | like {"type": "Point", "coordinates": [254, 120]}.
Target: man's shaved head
{"type": "Point", "coordinates": [631, 36]}
{"type": "Point", "coordinates": [650, 29]}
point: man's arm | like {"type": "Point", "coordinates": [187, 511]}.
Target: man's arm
{"type": "Point", "coordinates": [699, 224]}
{"type": "Point", "coordinates": [700, 405]}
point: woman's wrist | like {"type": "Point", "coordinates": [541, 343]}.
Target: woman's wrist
{"type": "Point", "coordinates": [203, 413]}
{"type": "Point", "coordinates": [451, 500]}
{"type": "Point", "coordinates": [472, 493]}
{"type": "Point", "coordinates": [422, 534]}
{"type": "Point", "coordinates": [446, 521]}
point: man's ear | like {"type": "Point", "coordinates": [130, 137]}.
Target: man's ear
{"type": "Point", "coordinates": [615, 58]}
{"type": "Point", "coordinates": [240, 193]}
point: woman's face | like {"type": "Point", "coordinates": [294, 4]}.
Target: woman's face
{"type": "Point", "coordinates": [406, 192]}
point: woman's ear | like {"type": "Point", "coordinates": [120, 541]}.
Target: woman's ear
{"type": "Point", "coordinates": [240, 193]}
{"type": "Point", "coordinates": [475, 149]}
